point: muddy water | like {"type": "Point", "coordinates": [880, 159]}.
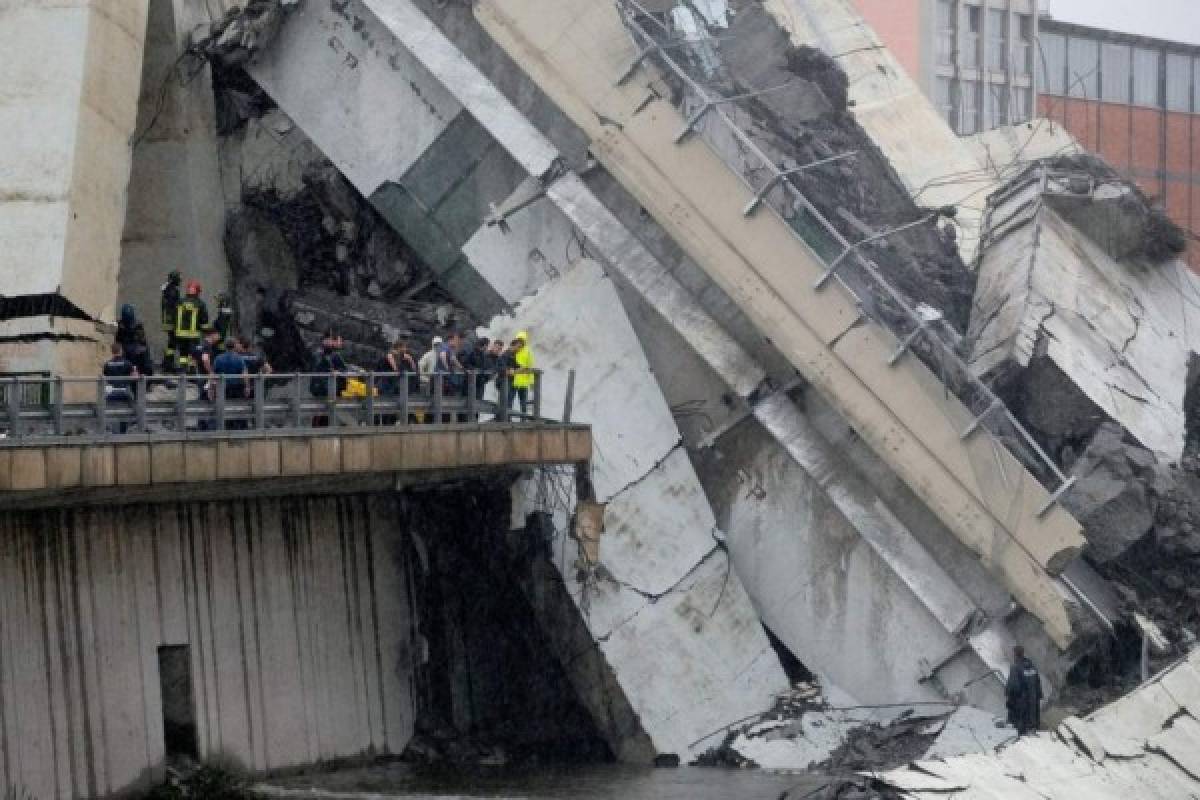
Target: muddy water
{"type": "Point", "coordinates": [573, 783]}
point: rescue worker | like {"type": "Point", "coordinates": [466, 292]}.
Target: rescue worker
{"type": "Point", "coordinates": [116, 390]}
{"type": "Point", "coordinates": [191, 321]}
{"type": "Point", "coordinates": [522, 375]}
{"type": "Point", "coordinates": [1024, 694]}
{"type": "Point", "coordinates": [170, 303]}
{"type": "Point", "coordinates": [127, 329]}
{"type": "Point", "coordinates": [327, 360]}
{"type": "Point", "coordinates": [223, 321]}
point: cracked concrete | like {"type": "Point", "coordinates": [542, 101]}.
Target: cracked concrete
{"type": "Point", "coordinates": [1119, 333]}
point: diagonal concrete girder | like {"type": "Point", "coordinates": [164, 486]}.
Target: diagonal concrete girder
{"type": "Point", "coordinates": [576, 54]}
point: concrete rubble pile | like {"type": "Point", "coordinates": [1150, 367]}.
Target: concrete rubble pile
{"type": "Point", "coordinates": [1144, 745]}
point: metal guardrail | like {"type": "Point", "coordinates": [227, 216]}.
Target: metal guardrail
{"type": "Point", "coordinates": [770, 186]}
{"type": "Point", "coordinates": [43, 407]}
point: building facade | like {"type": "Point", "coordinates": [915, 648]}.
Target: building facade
{"type": "Point", "coordinates": [975, 59]}
{"type": "Point", "coordinates": [1133, 100]}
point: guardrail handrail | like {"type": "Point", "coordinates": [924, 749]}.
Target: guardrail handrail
{"type": "Point", "coordinates": [990, 412]}
{"type": "Point", "coordinates": [282, 402]}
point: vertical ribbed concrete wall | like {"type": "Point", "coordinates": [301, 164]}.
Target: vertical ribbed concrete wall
{"type": "Point", "coordinates": [297, 613]}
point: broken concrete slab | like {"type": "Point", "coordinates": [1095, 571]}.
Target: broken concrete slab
{"type": "Point", "coordinates": [666, 611]}
{"type": "Point", "coordinates": [1111, 496]}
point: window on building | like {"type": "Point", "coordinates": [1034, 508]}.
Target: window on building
{"type": "Point", "coordinates": [1116, 69]}
{"type": "Point", "coordinates": [1053, 55]}
{"type": "Point", "coordinates": [971, 35]}
{"type": "Point", "coordinates": [1023, 48]}
{"type": "Point", "coordinates": [1179, 82]}
{"type": "Point", "coordinates": [1023, 106]}
{"type": "Point", "coordinates": [1145, 77]}
{"type": "Point", "coordinates": [997, 39]}
{"type": "Point", "coordinates": [1083, 61]}
{"type": "Point", "coordinates": [945, 32]}
{"type": "Point", "coordinates": [995, 105]}
{"type": "Point", "coordinates": [944, 98]}
{"type": "Point", "coordinates": [970, 108]}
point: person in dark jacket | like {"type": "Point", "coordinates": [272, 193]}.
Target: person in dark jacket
{"type": "Point", "coordinates": [230, 364]}
{"type": "Point", "coordinates": [128, 328]}
{"type": "Point", "coordinates": [1024, 694]}
{"type": "Point", "coordinates": [118, 390]}
{"type": "Point", "coordinates": [170, 302]}
{"type": "Point", "coordinates": [138, 353]}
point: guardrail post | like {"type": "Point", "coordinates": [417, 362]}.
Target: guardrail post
{"type": "Point", "coordinates": [370, 404]}
{"type": "Point", "coordinates": [569, 403]}
{"type": "Point", "coordinates": [472, 383]}
{"type": "Point", "coordinates": [260, 399]}
{"type": "Point", "coordinates": [59, 400]}
{"type": "Point", "coordinates": [296, 399]}
{"type": "Point", "coordinates": [403, 420]}
{"type": "Point", "coordinates": [219, 403]}
{"type": "Point", "coordinates": [331, 398]}
{"type": "Point", "coordinates": [435, 391]}
{"type": "Point", "coordinates": [140, 403]}
{"type": "Point", "coordinates": [537, 395]}
{"type": "Point", "coordinates": [181, 385]}
{"type": "Point", "coordinates": [502, 399]}
{"type": "Point", "coordinates": [101, 406]}
{"type": "Point", "coordinates": [13, 403]}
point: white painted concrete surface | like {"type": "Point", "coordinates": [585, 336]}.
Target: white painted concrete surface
{"type": "Point", "coordinates": [72, 72]}
{"type": "Point", "coordinates": [295, 613]}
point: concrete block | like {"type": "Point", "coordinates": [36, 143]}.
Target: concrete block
{"type": "Point", "coordinates": [296, 456]}
{"type": "Point", "coordinates": [233, 460]}
{"type": "Point", "coordinates": [579, 445]}
{"type": "Point", "coordinates": [326, 455]}
{"type": "Point", "coordinates": [28, 469]}
{"type": "Point", "coordinates": [133, 465]}
{"type": "Point", "coordinates": [552, 445]}
{"type": "Point", "coordinates": [443, 449]}
{"type": "Point", "coordinates": [523, 446]}
{"type": "Point", "coordinates": [387, 452]}
{"type": "Point", "coordinates": [470, 448]}
{"type": "Point", "coordinates": [356, 454]}
{"type": "Point", "coordinates": [98, 466]}
{"type": "Point", "coordinates": [63, 467]}
{"type": "Point", "coordinates": [167, 463]}
{"type": "Point", "coordinates": [416, 451]}
{"type": "Point", "coordinates": [264, 459]}
{"type": "Point", "coordinates": [495, 447]}
{"type": "Point", "coordinates": [200, 461]}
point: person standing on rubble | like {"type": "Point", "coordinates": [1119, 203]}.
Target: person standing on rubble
{"type": "Point", "coordinates": [1024, 694]}
{"type": "Point", "coordinates": [191, 320]}
{"type": "Point", "coordinates": [170, 305]}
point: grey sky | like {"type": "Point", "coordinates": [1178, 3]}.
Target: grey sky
{"type": "Point", "coordinates": [1176, 20]}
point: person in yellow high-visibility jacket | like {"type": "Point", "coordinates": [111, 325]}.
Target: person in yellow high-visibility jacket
{"type": "Point", "coordinates": [522, 374]}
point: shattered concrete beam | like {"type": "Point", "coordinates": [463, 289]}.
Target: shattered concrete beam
{"type": "Point", "coordinates": [574, 54]}
{"type": "Point", "coordinates": [624, 254]}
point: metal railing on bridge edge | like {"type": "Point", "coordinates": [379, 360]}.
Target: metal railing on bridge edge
{"type": "Point", "coordinates": [42, 407]}
{"type": "Point", "coordinates": [846, 264]}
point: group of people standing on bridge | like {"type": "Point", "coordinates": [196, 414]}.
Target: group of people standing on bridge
{"type": "Point", "coordinates": [203, 345]}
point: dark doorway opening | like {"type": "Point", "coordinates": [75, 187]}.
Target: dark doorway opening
{"type": "Point", "coordinates": [179, 710]}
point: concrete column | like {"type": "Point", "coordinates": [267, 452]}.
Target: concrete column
{"type": "Point", "coordinates": [71, 76]}
{"type": "Point", "coordinates": [176, 215]}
